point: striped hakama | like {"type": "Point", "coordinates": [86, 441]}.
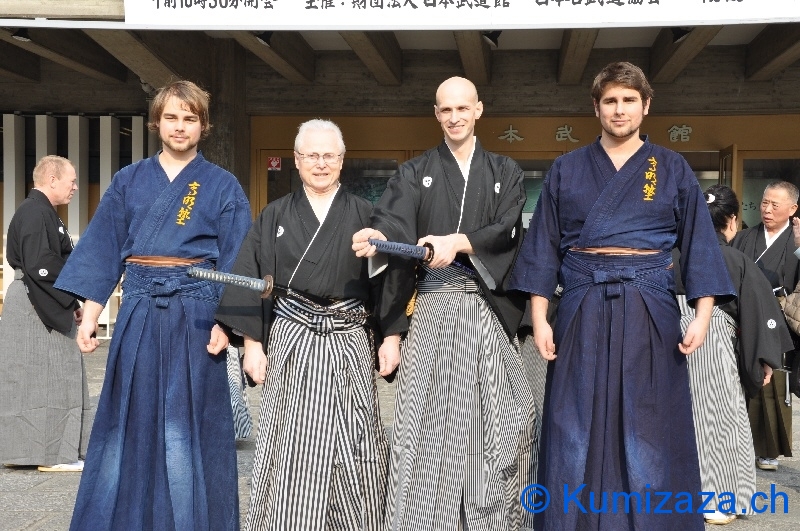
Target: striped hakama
{"type": "Point", "coordinates": [464, 419]}
{"type": "Point", "coordinates": [536, 370]}
{"type": "Point", "coordinates": [321, 452]}
{"type": "Point", "coordinates": [44, 397]}
{"type": "Point", "coordinates": [722, 428]}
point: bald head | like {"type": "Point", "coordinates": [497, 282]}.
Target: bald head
{"type": "Point", "coordinates": [457, 109]}
{"type": "Point", "coordinates": [458, 87]}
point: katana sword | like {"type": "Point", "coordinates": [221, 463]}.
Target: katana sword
{"type": "Point", "coordinates": [264, 286]}
{"type": "Point", "coordinates": [420, 252]}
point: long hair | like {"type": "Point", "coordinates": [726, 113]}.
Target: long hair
{"type": "Point", "coordinates": [195, 98]}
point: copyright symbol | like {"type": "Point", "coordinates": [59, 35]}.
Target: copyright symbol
{"type": "Point", "coordinates": [535, 498]}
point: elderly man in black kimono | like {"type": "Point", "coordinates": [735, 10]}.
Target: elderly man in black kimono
{"type": "Point", "coordinates": [44, 398]}
{"type": "Point", "coordinates": [464, 416]}
{"type": "Point", "coordinates": [772, 245]}
{"type": "Point", "coordinates": [321, 452]}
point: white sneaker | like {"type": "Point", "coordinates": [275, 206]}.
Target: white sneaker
{"type": "Point", "coordinates": [765, 463]}
{"type": "Point", "coordinates": [718, 518]}
{"type": "Point", "coordinates": [64, 467]}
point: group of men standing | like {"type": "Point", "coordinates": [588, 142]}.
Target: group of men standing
{"type": "Point", "coordinates": [617, 415]}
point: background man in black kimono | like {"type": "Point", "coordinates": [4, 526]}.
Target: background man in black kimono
{"type": "Point", "coordinates": [44, 398]}
{"type": "Point", "coordinates": [464, 412]}
{"type": "Point", "coordinates": [771, 244]}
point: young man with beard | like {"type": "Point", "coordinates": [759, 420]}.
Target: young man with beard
{"type": "Point", "coordinates": [162, 451]}
{"type": "Point", "coordinates": [618, 412]}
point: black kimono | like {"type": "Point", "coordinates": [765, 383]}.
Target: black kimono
{"type": "Point", "coordinates": [38, 243]}
{"type": "Point", "coordinates": [321, 451]}
{"type": "Point", "coordinates": [770, 414]}
{"type": "Point", "coordinates": [464, 415]}
{"type": "Point", "coordinates": [44, 398]}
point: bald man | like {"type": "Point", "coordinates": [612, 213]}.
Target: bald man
{"type": "Point", "coordinates": [464, 420]}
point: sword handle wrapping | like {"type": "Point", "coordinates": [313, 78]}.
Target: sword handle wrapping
{"type": "Point", "coordinates": [420, 252]}
{"type": "Point", "coordinates": [263, 286]}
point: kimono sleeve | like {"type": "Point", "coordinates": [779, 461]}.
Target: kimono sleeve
{"type": "Point", "coordinates": [395, 214]}
{"type": "Point", "coordinates": [41, 263]}
{"type": "Point", "coordinates": [763, 334]}
{"type": "Point", "coordinates": [539, 260]}
{"type": "Point", "coordinates": [701, 259]}
{"type": "Point", "coordinates": [243, 309]}
{"type": "Point", "coordinates": [95, 266]}
{"type": "Point", "coordinates": [234, 223]}
{"type": "Point", "coordinates": [493, 242]}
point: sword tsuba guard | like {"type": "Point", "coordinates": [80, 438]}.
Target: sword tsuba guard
{"type": "Point", "coordinates": [429, 257]}
{"type": "Point", "coordinates": [269, 283]}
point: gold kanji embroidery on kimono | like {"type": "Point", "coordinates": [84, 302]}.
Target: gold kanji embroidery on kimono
{"type": "Point", "coordinates": [651, 180]}
{"type": "Point", "coordinates": [188, 203]}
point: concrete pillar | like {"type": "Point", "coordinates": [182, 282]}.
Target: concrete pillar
{"type": "Point", "coordinates": [13, 179]}
{"type": "Point", "coordinates": [45, 136]}
{"type": "Point", "coordinates": [138, 139]}
{"type": "Point", "coordinates": [78, 153]}
{"type": "Point", "coordinates": [153, 143]}
{"type": "Point", "coordinates": [109, 151]}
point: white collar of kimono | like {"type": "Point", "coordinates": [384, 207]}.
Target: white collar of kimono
{"type": "Point", "coordinates": [324, 214]}
{"type": "Point", "coordinates": [464, 173]}
{"type": "Point", "coordinates": [465, 167]}
{"type": "Point", "coordinates": [771, 239]}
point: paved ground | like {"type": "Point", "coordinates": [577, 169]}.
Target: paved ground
{"type": "Point", "coordinates": [32, 500]}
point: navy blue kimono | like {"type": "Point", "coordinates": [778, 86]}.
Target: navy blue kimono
{"type": "Point", "coordinates": [162, 451]}
{"type": "Point", "coordinates": [618, 413]}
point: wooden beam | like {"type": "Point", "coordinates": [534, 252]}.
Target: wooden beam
{"type": "Point", "coordinates": [774, 49]}
{"type": "Point", "coordinates": [194, 66]}
{"type": "Point", "coordinates": [130, 50]}
{"type": "Point", "coordinates": [72, 49]}
{"type": "Point", "coordinates": [18, 65]}
{"type": "Point", "coordinates": [287, 52]}
{"type": "Point", "coordinates": [576, 46]}
{"type": "Point", "coordinates": [380, 52]}
{"type": "Point", "coordinates": [71, 9]}
{"type": "Point", "coordinates": [669, 58]}
{"type": "Point", "coordinates": [476, 57]}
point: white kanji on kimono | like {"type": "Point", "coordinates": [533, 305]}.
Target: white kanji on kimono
{"type": "Point", "coordinates": [497, 188]}
{"type": "Point", "coordinates": [43, 272]}
{"type": "Point", "coordinates": [426, 181]}
{"type": "Point", "coordinates": [280, 232]}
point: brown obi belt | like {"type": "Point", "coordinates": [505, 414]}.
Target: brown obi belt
{"type": "Point", "coordinates": [162, 261]}
{"type": "Point", "coordinates": [620, 251]}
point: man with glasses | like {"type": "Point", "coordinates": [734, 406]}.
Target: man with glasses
{"type": "Point", "coordinates": [772, 245]}
{"type": "Point", "coordinates": [321, 451]}
{"type": "Point", "coordinates": [464, 416]}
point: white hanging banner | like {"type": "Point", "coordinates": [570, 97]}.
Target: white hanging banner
{"type": "Point", "coordinates": [452, 14]}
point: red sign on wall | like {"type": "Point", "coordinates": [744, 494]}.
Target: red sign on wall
{"type": "Point", "coordinates": [274, 163]}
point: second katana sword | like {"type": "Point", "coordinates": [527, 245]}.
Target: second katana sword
{"type": "Point", "coordinates": [264, 286]}
{"type": "Point", "coordinates": [420, 252]}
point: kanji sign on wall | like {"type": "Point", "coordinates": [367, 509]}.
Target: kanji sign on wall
{"type": "Point", "coordinates": [273, 164]}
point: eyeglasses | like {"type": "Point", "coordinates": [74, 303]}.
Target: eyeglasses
{"type": "Point", "coordinates": [313, 158]}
